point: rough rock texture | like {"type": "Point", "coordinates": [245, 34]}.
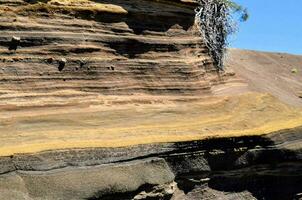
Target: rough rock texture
{"type": "Point", "coordinates": [120, 100]}
{"type": "Point", "coordinates": [257, 167]}
{"type": "Point", "coordinates": [111, 47]}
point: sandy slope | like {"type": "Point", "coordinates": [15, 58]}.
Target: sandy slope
{"type": "Point", "coordinates": [270, 73]}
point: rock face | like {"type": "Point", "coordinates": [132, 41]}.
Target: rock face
{"type": "Point", "coordinates": [120, 100]}
{"type": "Point", "coordinates": [257, 167]}
{"type": "Point", "coordinates": [112, 47]}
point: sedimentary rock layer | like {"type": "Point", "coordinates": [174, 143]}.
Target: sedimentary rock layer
{"type": "Point", "coordinates": [254, 167]}
{"type": "Point", "coordinates": [120, 100]}
{"type": "Point", "coordinates": [118, 123]}
{"type": "Point", "coordinates": [111, 47]}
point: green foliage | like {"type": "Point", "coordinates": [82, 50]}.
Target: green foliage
{"type": "Point", "coordinates": [236, 8]}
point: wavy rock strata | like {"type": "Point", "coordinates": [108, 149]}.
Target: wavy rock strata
{"type": "Point", "coordinates": [114, 47]}
{"type": "Point", "coordinates": [120, 100]}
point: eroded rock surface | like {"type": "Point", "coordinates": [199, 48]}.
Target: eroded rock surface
{"type": "Point", "coordinates": [231, 168]}
{"type": "Point", "coordinates": [120, 100]}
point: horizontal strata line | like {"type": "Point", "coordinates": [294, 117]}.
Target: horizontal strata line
{"type": "Point", "coordinates": [170, 66]}
{"type": "Point", "coordinates": [92, 69]}
{"type": "Point", "coordinates": [100, 75]}
{"type": "Point", "coordinates": [160, 69]}
{"type": "Point", "coordinates": [109, 84]}
{"type": "Point", "coordinates": [42, 66]}
{"type": "Point", "coordinates": [180, 85]}
{"type": "Point", "coordinates": [103, 67]}
{"type": "Point", "coordinates": [93, 47]}
{"type": "Point", "coordinates": [184, 37]}
{"type": "Point", "coordinates": [101, 29]}
{"type": "Point", "coordinates": [68, 24]}
{"type": "Point", "coordinates": [137, 62]}
{"type": "Point", "coordinates": [261, 168]}
{"type": "Point", "coordinates": [118, 69]}
{"type": "Point", "coordinates": [102, 37]}
{"type": "Point", "coordinates": [46, 95]}
{"type": "Point", "coordinates": [182, 78]}
{"type": "Point", "coordinates": [106, 83]}
{"type": "Point", "coordinates": [20, 171]}
{"type": "Point", "coordinates": [88, 30]}
{"type": "Point", "coordinates": [23, 26]}
{"type": "Point", "coordinates": [100, 88]}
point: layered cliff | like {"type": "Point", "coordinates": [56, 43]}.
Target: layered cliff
{"type": "Point", "coordinates": [120, 100]}
{"type": "Point", "coordinates": [114, 47]}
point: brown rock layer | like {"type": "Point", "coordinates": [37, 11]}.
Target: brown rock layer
{"type": "Point", "coordinates": [116, 99]}
{"type": "Point", "coordinates": [111, 47]}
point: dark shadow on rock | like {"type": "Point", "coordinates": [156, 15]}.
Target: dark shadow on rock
{"type": "Point", "coordinates": [223, 153]}
{"type": "Point", "coordinates": [268, 187]}
{"type": "Point", "coordinates": [139, 20]}
{"type": "Point", "coordinates": [253, 164]}
{"type": "Point", "coordinates": [131, 47]}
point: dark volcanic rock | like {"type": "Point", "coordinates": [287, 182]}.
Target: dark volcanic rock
{"type": "Point", "coordinates": [230, 168]}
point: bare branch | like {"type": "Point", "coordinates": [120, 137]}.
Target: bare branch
{"type": "Point", "coordinates": [214, 18]}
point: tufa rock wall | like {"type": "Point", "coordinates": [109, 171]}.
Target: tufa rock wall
{"type": "Point", "coordinates": [108, 47]}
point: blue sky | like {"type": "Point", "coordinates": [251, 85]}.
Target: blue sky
{"type": "Point", "coordinates": [274, 25]}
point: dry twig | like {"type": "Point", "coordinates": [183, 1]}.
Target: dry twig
{"type": "Point", "coordinates": [214, 18]}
